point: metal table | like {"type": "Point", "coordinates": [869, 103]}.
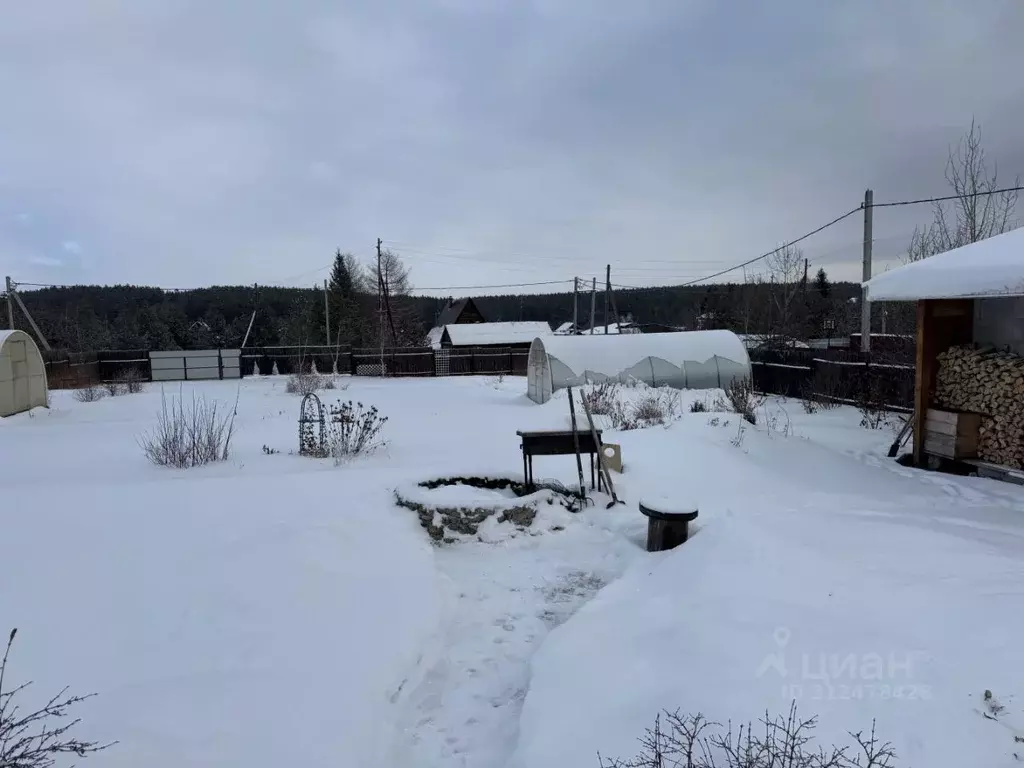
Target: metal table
{"type": "Point", "coordinates": [559, 442]}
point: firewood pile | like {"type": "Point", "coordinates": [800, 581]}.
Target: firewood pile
{"type": "Point", "coordinates": [991, 383]}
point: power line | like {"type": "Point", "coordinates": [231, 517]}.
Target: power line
{"type": "Point", "coordinates": [946, 198]}
{"type": "Point", "coordinates": [800, 239]}
{"type": "Point", "coordinates": [21, 283]}
{"type": "Point", "coordinates": [506, 285]}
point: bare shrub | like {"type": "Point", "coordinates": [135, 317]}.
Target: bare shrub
{"type": "Point", "coordinates": [190, 436]}
{"type": "Point", "coordinates": [304, 383]}
{"type": "Point", "coordinates": [132, 381]}
{"type": "Point", "coordinates": [871, 404]}
{"type": "Point", "coordinates": [90, 393]}
{"type": "Point", "coordinates": [649, 408]}
{"type": "Point", "coordinates": [698, 406]}
{"type": "Point", "coordinates": [693, 741]}
{"type": "Point", "coordinates": [602, 398]}
{"type": "Point", "coordinates": [741, 434]}
{"type": "Point", "coordinates": [353, 430]}
{"type": "Point", "coordinates": [332, 383]}
{"type": "Point", "coordinates": [35, 739]}
{"type": "Point", "coordinates": [113, 387]}
{"type": "Point", "coordinates": [826, 392]}
{"type": "Point", "coordinates": [743, 400]}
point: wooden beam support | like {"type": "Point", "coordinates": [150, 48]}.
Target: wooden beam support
{"type": "Point", "coordinates": [941, 324]}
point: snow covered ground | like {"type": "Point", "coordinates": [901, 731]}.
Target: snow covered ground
{"type": "Point", "coordinates": [278, 610]}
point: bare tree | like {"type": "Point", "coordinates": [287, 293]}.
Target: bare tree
{"type": "Point", "coordinates": [786, 270]}
{"type": "Point", "coordinates": [978, 211]}
{"type": "Point", "coordinates": [394, 273]}
{"type": "Point", "coordinates": [392, 278]}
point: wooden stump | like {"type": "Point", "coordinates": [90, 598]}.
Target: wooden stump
{"type": "Point", "coordinates": [668, 524]}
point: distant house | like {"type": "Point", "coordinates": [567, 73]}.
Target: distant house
{"type": "Point", "coordinates": [458, 312]}
{"type": "Point", "coordinates": [566, 329]}
{"type": "Point", "coordinates": [505, 335]}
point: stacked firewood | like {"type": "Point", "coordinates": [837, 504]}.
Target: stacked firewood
{"type": "Point", "coordinates": [991, 383]}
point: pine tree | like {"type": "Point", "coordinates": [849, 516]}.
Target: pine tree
{"type": "Point", "coordinates": [347, 326]}
{"type": "Point", "coordinates": [821, 283]}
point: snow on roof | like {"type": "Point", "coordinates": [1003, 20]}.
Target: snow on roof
{"type": "Point", "coordinates": [470, 334]}
{"type": "Point", "coordinates": [434, 337]}
{"type": "Point", "coordinates": [564, 327]}
{"type": "Point", "coordinates": [986, 269]}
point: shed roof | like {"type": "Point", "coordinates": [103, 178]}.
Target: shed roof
{"type": "Point", "coordinates": [470, 334]}
{"type": "Point", "coordinates": [450, 314]}
{"type": "Point", "coordinates": [989, 268]}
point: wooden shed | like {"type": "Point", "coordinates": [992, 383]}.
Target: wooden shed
{"type": "Point", "coordinates": [969, 387]}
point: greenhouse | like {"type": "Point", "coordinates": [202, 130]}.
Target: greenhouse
{"type": "Point", "coordinates": [685, 360]}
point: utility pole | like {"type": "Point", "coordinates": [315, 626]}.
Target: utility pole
{"type": "Point", "coordinates": [865, 305]}
{"type": "Point", "coordinates": [593, 303]}
{"type": "Point", "coordinates": [380, 305]}
{"type": "Point", "coordinates": [12, 294]}
{"type": "Point", "coordinates": [252, 317]}
{"type": "Point", "coordinates": [327, 316]}
{"type": "Point", "coordinates": [10, 304]}
{"type": "Point", "coordinates": [615, 309]}
{"type": "Point", "coordinates": [607, 290]}
{"type": "Point", "coordinates": [575, 304]}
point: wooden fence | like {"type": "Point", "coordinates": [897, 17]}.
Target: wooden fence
{"type": "Point", "coordinates": [842, 376]}
{"type": "Point", "coordinates": [398, 361]}
{"type": "Point", "coordinates": [71, 370]}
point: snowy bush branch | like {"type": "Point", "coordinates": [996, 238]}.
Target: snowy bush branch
{"type": "Point", "coordinates": [36, 738]}
{"type": "Point", "coordinates": [190, 436]}
{"type": "Point", "coordinates": [693, 741]}
{"type": "Point", "coordinates": [353, 430]}
{"type": "Point", "coordinates": [90, 393]}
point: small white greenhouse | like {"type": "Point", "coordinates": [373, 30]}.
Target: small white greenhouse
{"type": "Point", "coordinates": [22, 374]}
{"type": "Point", "coordinates": [685, 360]}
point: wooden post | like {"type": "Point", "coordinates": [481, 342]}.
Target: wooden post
{"type": "Point", "coordinates": [923, 381]}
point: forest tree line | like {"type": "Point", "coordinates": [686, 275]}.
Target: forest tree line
{"type": "Point", "coordinates": [89, 318]}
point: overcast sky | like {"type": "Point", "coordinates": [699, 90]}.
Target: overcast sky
{"type": "Point", "coordinates": [185, 143]}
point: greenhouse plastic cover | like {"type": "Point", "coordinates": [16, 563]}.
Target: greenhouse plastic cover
{"type": "Point", "coordinates": [613, 356]}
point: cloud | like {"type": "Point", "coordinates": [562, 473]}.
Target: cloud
{"type": "Point", "coordinates": [23, 218]}
{"type": "Point", "coordinates": [72, 246]}
{"type": "Point", "coordinates": [45, 261]}
{"type": "Point", "coordinates": [193, 143]}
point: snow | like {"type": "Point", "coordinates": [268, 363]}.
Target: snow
{"type": "Point", "coordinates": [276, 610]}
{"type": "Point", "coordinates": [985, 269]}
{"type": "Point", "coordinates": [669, 505]}
{"type": "Point", "coordinates": [470, 334]}
{"type": "Point", "coordinates": [820, 573]}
